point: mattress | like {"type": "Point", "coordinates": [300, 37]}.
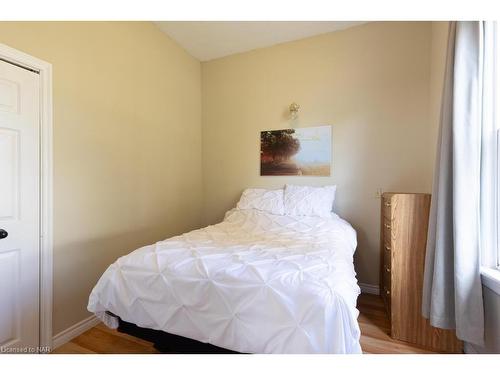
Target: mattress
{"type": "Point", "coordinates": [254, 283]}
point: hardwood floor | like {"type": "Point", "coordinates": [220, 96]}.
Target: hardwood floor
{"type": "Point", "coordinates": [372, 320]}
{"type": "Point", "coordinates": [374, 326]}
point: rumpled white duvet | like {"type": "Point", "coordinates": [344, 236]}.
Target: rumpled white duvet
{"type": "Point", "coordinates": [254, 283]}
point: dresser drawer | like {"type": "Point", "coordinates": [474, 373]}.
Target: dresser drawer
{"type": "Point", "coordinates": [386, 277]}
{"type": "Point", "coordinates": [386, 297]}
{"type": "Point", "coordinates": [387, 257]}
{"type": "Point", "coordinates": [386, 271]}
{"type": "Point", "coordinates": [386, 293]}
{"type": "Point", "coordinates": [387, 207]}
{"type": "Point", "coordinates": [387, 230]}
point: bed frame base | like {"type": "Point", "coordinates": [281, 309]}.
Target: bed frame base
{"type": "Point", "coordinates": [169, 343]}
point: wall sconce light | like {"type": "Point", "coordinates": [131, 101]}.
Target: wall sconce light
{"type": "Point", "coordinates": [294, 110]}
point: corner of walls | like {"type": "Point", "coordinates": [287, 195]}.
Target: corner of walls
{"type": "Point", "coordinates": [439, 40]}
{"type": "Point", "coordinates": [198, 108]}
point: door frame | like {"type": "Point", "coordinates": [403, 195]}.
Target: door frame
{"type": "Point", "coordinates": [44, 69]}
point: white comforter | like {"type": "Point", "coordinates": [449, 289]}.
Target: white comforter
{"type": "Point", "coordinates": [255, 283]}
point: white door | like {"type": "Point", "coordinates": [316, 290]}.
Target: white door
{"type": "Point", "coordinates": [19, 208]}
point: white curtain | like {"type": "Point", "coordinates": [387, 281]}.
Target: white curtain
{"type": "Point", "coordinates": [462, 218]}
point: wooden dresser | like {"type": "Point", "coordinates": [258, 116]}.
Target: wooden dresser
{"type": "Point", "coordinates": [404, 219]}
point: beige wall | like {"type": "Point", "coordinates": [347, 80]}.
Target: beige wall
{"type": "Point", "coordinates": [439, 43]}
{"type": "Point", "coordinates": [127, 145]}
{"type": "Point", "coordinates": [371, 82]}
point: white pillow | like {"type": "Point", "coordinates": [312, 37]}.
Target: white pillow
{"type": "Point", "coordinates": [262, 199]}
{"type": "Point", "coordinates": [309, 200]}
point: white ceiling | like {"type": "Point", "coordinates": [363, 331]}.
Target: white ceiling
{"type": "Point", "coordinates": [210, 40]}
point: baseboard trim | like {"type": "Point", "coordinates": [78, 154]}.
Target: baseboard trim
{"type": "Point", "coordinates": [73, 331]}
{"type": "Point", "coordinates": [369, 288]}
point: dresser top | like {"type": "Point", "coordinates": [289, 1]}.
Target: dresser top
{"type": "Point", "coordinates": [390, 194]}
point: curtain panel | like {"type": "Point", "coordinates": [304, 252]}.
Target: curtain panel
{"type": "Point", "coordinates": [463, 209]}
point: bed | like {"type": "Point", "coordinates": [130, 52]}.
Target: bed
{"type": "Point", "coordinates": [257, 282]}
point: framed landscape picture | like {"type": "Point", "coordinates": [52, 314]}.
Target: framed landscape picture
{"type": "Point", "coordinates": [296, 152]}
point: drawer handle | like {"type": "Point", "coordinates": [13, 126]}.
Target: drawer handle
{"type": "Point", "coordinates": [387, 204]}
{"type": "Point", "coordinates": [387, 226]}
{"type": "Point", "coordinates": [387, 269]}
{"type": "Point", "coordinates": [388, 248]}
{"type": "Point", "coordinates": [387, 292]}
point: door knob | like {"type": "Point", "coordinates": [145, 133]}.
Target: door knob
{"type": "Point", "coordinates": [3, 234]}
